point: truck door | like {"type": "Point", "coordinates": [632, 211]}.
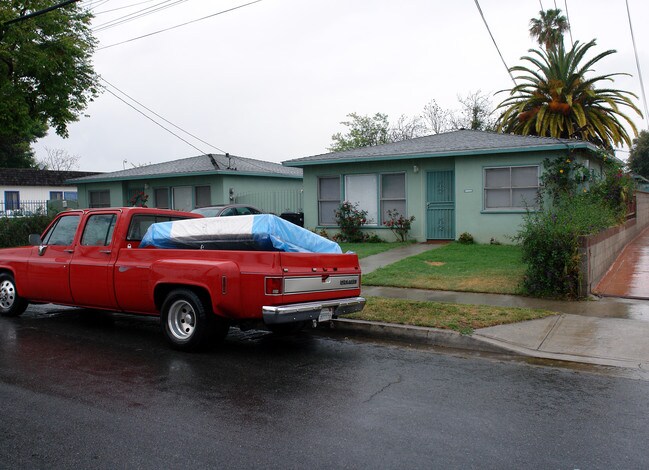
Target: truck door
{"type": "Point", "coordinates": [48, 272]}
{"type": "Point", "coordinates": [91, 268]}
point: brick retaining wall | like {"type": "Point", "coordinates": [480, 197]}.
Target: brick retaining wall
{"type": "Point", "coordinates": [598, 252]}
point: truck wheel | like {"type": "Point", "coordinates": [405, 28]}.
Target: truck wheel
{"type": "Point", "coordinates": [188, 324]}
{"type": "Point", "coordinates": [11, 304]}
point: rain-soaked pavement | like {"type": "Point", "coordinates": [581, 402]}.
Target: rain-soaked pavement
{"type": "Point", "coordinates": [629, 275]}
{"type": "Point", "coordinates": [81, 390]}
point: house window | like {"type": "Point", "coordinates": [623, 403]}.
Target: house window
{"type": "Point", "coordinates": [393, 194]}
{"type": "Point", "coordinates": [99, 198]}
{"type": "Point", "coordinates": [203, 196]}
{"type": "Point", "coordinates": [70, 195]}
{"type": "Point", "coordinates": [362, 190]}
{"type": "Point", "coordinates": [56, 195]}
{"type": "Point", "coordinates": [513, 187]}
{"type": "Point", "coordinates": [161, 198]}
{"type": "Point", "coordinates": [12, 200]}
{"type": "Point", "coordinates": [328, 199]}
{"type": "Point", "coordinates": [182, 196]}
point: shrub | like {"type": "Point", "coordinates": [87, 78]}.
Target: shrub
{"type": "Point", "coordinates": [465, 238]}
{"type": "Point", "coordinates": [399, 224]}
{"type": "Point", "coordinates": [350, 219]}
{"type": "Point", "coordinates": [550, 243]}
{"type": "Point", "coordinates": [16, 231]}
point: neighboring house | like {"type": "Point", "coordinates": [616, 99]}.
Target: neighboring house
{"type": "Point", "coordinates": [28, 190]}
{"type": "Point", "coordinates": [197, 182]}
{"type": "Point", "coordinates": [462, 181]}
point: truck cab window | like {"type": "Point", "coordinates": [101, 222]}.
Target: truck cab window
{"type": "Point", "coordinates": [63, 232]}
{"type": "Point", "coordinates": [99, 230]}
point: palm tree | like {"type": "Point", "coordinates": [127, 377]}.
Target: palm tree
{"type": "Point", "coordinates": [549, 28]}
{"type": "Point", "coordinates": [554, 98]}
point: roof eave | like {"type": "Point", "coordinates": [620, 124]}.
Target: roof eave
{"type": "Point", "coordinates": [457, 153]}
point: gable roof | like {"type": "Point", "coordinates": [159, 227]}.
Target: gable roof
{"type": "Point", "coordinates": [202, 164]}
{"type": "Point", "coordinates": [36, 177]}
{"type": "Point", "coordinates": [455, 143]}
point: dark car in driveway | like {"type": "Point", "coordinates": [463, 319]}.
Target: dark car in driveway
{"type": "Point", "coordinates": [227, 210]}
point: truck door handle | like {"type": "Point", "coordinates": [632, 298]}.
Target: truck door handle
{"type": "Point", "coordinates": [69, 250]}
{"type": "Point", "coordinates": [108, 252]}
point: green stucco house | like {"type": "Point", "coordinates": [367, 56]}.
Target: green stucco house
{"type": "Point", "coordinates": [197, 182]}
{"type": "Point", "coordinates": [461, 181]}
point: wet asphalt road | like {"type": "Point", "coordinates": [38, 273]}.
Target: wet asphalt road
{"type": "Point", "coordinates": [81, 393]}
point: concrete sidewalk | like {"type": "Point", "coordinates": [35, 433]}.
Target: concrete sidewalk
{"type": "Point", "coordinates": [609, 332]}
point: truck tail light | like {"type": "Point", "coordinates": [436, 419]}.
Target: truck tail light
{"type": "Point", "coordinates": [273, 285]}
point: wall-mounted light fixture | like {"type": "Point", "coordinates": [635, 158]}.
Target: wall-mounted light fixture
{"type": "Point", "coordinates": [231, 193]}
{"type": "Point", "coordinates": [415, 169]}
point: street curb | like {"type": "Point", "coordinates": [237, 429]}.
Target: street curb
{"type": "Point", "coordinates": [414, 334]}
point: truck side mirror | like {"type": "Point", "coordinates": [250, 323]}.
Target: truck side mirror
{"type": "Point", "coordinates": [35, 239]}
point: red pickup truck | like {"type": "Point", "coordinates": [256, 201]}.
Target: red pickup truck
{"type": "Point", "coordinates": [91, 258]}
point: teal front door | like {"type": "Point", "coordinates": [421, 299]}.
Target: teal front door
{"type": "Point", "coordinates": [440, 205]}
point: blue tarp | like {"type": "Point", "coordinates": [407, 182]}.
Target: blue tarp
{"type": "Point", "coordinates": [265, 232]}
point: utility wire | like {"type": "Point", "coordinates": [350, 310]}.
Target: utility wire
{"type": "Point", "coordinates": [161, 117]}
{"type": "Point", "coordinates": [180, 25]}
{"type": "Point", "coordinates": [154, 121]}
{"type": "Point", "coordinates": [637, 62]}
{"type": "Point", "coordinates": [137, 14]}
{"type": "Point", "coordinates": [123, 8]}
{"type": "Point", "coordinates": [477, 4]}
{"type": "Point", "coordinates": [39, 12]}
{"type": "Point", "coordinates": [569, 27]}
{"type": "Point", "coordinates": [245, 160]}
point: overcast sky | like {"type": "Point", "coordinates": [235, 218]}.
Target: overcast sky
{"type": "Point", "coordinates": [273, 80]}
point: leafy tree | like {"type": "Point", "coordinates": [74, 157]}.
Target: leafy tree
{"type": "Point", "coordinates": [555, 98]}
{"type": "Point", "coordinates": [548, 29]}
{"type": "Point", "coordinates": [639, 156]}
{"type": "Point", "coordinates": [363, 131]}
{"type": "Point", "coordinates": [46, 75]}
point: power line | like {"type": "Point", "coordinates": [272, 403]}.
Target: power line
{"type": "Point", "coordinates": [154, 121]}
{"type": "Point", "coordinates": [137, 14]}
{"type": "Point", "coordinates": [123, 8]}
{"type": "Point", "coordinates": [637, 62]}
{"type": "Point", "coordinates": [569, 27]}
{"type": "Point", "coordinates": [161, 117]}
{"type": "Point", "coordinates": [477, 4]}
{"type": "Point", "coordinates": [247, 161]}
{"type": "Point", "coordinates": [39, 12]}
{"type": "Point", "coordinates": [180, 25]}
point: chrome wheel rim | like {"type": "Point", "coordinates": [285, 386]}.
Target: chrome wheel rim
{"type": "Point", "coordinates": [181, 320]}
{"type": "Point", "coordinates": [7, 294]}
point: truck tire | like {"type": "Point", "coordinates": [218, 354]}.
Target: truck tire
{"type": "Point", "coordinates": [11, 304]}
{"type": "Point", "coordinates": [188, 324]}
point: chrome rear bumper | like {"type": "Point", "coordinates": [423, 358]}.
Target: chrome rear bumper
{"type": "Point", "coordinates": [291, 313]}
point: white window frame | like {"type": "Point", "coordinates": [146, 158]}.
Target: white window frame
{"type": "Point", "coordinates": [510, 187]}
{"type": "Point", "coordinates": [321, 200]}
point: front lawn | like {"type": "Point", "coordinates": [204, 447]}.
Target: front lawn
{"type": "Point", "coordinates": [458, 317]}
{"type": "Point", "coordinates": [456, 267]}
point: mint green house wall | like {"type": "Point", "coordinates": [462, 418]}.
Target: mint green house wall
{"type": "Point", "coordinates": [265, 189]}
{"type": "Point", "coordinates": [468, 171]}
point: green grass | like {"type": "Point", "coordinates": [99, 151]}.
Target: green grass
{"type": "Point", "coordinates": [458, 317]}
{"type": "Point", "coordinates": [369, 249]}
{"type": "Point", "coordinates": [457, 267]}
